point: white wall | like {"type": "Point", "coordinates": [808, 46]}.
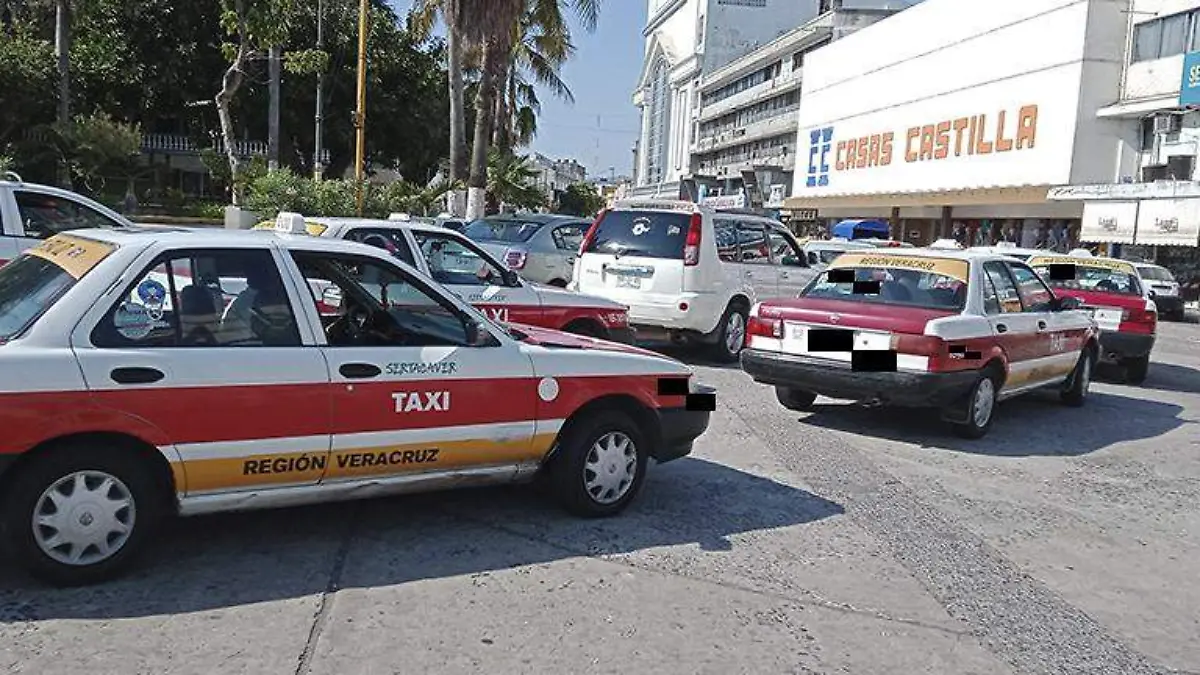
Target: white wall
{"type": "Point", "coordinates": [974, 58]}
{"type": "Point", "coordinates": [1156, 77]}
{"type": "Point", "coordinates": [736, 30]}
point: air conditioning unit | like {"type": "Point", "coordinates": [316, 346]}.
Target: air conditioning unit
{"type": "Point", "coordinates": [1167, 124]}
{"type": "Point", "coordinates": [1154, 172]}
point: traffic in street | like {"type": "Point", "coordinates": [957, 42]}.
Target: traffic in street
{"type": "Point", "coordinates": [844, 539]}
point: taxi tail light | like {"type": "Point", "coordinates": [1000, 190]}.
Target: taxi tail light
{"type": "Point", "coordinates": [933, 348]}
{"type": "Point", "coordinates": [515, 258]}
{"type": "Point", "coordinates": [691, 245]}
{"type": "Point", "coordinates": [590, 236]}
{"type": "Point", "coordinates": [1143, 320]}
{"type": "Point", "coordinates": [760, 327]}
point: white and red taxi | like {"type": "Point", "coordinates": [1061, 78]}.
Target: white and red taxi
{"type": "Point", "coordinates": [152, 372]}
{"type": "Point", "coordinates": [1114, 292]}
{"type": "Point", "coordinates": [949, 329]}
{"type": "Point", "coordinates": [469, 271]}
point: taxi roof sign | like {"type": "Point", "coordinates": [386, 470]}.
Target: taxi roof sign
{"type": "Point", "coordinates": [400, 216]}
{"type": "Point", "coordinates": [290, 223]}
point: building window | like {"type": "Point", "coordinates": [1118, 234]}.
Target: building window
{"type": "Point", "coordinates": [1167, 36]}
{"type": "Point", "coordinates": [658, 138]}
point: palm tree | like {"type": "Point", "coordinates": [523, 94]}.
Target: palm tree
{"type": "Point", "coordinates": [512, 181]}
{"type": "Point", "coordinates": [542, 46]}
{"type": "Point", "coordinates": [494, 25]}
{"type": "Point", "coordinates": [424, 15]}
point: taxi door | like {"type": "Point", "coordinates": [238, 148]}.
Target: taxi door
{"type": "Point", "coordinates": [411, 396]}
{"type": "Point", "coordinates": [1014, 329]}
{"type": "Point", "coordinates": [244, 402]}
{"type": "Point", "coordinates": [1057, 348]}
{"type": "Point", "coordinates": [470, 273]}
{"type": "Point", "coordinates": [755, 262]}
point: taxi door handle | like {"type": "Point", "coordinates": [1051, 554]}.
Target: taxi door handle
{"type": "Point", "coordinates": [136, 375]}
{"type": "Point", "coordinates": [1041, 325]}
{"type": "Point", "coordinates": [359, 371]}
{"type": "Point", "coordinates": [1001, 328]}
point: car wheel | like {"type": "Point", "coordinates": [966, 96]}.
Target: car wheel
{"type": "Point", "coordinates": [1080, 381]}
{"type": "Point", "coordinates": [557, 283]}
{"type": "Point", "coordinates": [731, 335]}
{"type": "Point", "coordinates": [795, 399]}
{"type": "Point", "coordinates": [981, 408]}
{"type": "Point", "coordinates": [78, 515]}
{"type": "Point", "coordinates": [1136, 369]}
{"type": "Point", "coordinates": [1179, 315]}
{"type": "Point", "coordinates": [586, 328]}
{"type": "Point", "coordinates": [600, 464]}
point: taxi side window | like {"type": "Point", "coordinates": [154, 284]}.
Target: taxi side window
{"type": "Point", "coordinates": [368, 303]}
{"type": "Point", "coordinates": [782, 247]}
{"type": "Point", "coordinates": [725, 231]}
{"type": "Point", "coordinates": [569, 237]}
{"type": "Point", "coordinates": [452, 261]}
{"type": "Point", "coordinates": [44, 215]}
{"type": "Point", "coordinates": [392, 241]}
{"type": "Point", "coordinates": [991, 300]}
{"type": "Point", "coordinates": [230, 298]}
{"type": "Point", "coordinates": [752, 240]}
{"type": "Point", "coordinates": [1006, 290]}
{"type": "Point", "coordinates": [1035, 295]}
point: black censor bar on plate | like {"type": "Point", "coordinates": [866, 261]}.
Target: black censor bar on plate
{"type": "Point", "coordinates": [960, 352]}
{"type": "Point", "coordinates": [678, 386]}
{"type": "Point", "coordinates": [842, 340]}
{"type": "Point", "coordinates": [846, 276]}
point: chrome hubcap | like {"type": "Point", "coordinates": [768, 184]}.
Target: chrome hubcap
{"type": "Point", "coordinates": [985, 400]}
{"type": "Point", "coordinates": [610, 468]}
{"type": "Point", "coordinates": [83, 518]}
{"type": "Point", "coordinates": [735, 333]}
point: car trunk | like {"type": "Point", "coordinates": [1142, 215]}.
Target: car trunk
{"type": "Point", "coordinates": [1112, 311]}
{"type": "Point", "coordinates": [635, 256]}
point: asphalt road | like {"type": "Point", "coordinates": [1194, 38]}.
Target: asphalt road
{"type": "Point", "coordinates": [842, 541]}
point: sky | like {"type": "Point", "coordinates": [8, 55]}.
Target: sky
{"type": "Point", "coordinates": [599, 129]}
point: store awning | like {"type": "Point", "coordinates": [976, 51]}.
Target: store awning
{"type": "Point", "coordinates": [983, 196]}
{"type": "Point", "coordinates": [1110, 222]}
{"type": "Point", "coordinates": [855, 228]}
{"type": "Point", "coordinates": [1140, 107]}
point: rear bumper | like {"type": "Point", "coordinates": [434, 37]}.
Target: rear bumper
{"type": "Point", "coordinates": [680, 428]}
{"type": "Point", "coordinates": [1168, 304]}
{"type": "Point", "coordinates": [1115, 345]}
{"type": "Point", "coordinates": [702, 315]}
{"type": "Point", "coordinates": [836, 379]}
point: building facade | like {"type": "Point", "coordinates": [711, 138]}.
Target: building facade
{"type": "Point", "coordinates": [746, 122]}
{"type": "Point", "coordinates": [1148, 207]}
{"type": "Point", "coordinates": [685, 39]}
{"type": "Point", "coordinates": [554, 175]}
{"type": "Point", "coordinates": [963, 132]}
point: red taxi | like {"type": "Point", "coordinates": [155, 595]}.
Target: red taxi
{"type": "Point", "coordinates": [470, 272]}
{"type": "Point", "coordinates": [954, 330]}
{"type": "Point", "coordinates": [1114, 293]}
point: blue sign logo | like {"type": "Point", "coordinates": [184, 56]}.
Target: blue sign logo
{"type": "Point", "coordinates": [820, 145]}
{"type": "Point", "coordinates": [1189, 88]}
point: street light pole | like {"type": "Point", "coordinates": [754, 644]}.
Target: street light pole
{"type": "Point", "coordinates": [318, 165]}
{"type": "Point", "coordinates": [360, 115]}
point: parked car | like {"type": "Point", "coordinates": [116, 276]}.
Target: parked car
{"type": "Point", "coordinates": [540, 247]}
{"type": "Point", "coordinates": [1163, 289]}
{"type": "Point", "coordinates": [689, 273]}
{"type": "Point", "coordinates": [956, 331]}
{"type": "Point", "coordinates": [821, 252]}
{"type": "Point", "coordinates": [473, 274]}
{"type": "Point", "coordinates": [146, 373]}
{"type": "Point", "coordinates": [1114, 293]}
{"type": "Point", "coordinates": [31, 213]}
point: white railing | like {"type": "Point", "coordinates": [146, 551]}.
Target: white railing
{"type": "Point", "coordinates": [179, 143]}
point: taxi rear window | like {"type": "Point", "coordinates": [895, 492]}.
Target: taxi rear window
{"type": "Point", "coordinates": [1099, 276]}
{"type": "Point", "coordinates": [925, 282]}
{"type": "Point", "coordinates": [34, 282]}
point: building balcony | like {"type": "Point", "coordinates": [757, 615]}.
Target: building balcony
{"type": "Point", "coordinates": [785, 82]}
{"type": "Point", "coordinates": [780, 157]}
{"type": "Point", "coordinates": [784, 122]}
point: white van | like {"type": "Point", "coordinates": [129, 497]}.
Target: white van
{"type": "Point", "coordinates": [686, 272]}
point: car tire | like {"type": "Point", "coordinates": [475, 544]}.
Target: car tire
{"type": "Point", "coordinates": [1081, 380]}
{"type": "Point", "coordinates": [981, 408]}
{"type": "Point", "coordinates": [731, 329]}
{"type": "Point", "coordinates": [1179, 315]}
{"type": "Point", "coordinates": [599, 465]}
{"type": "Point", "coordinates": [557, 283]}
{"type": "Point", "coordinates": [122, 504]}
{"type": "Point", "coordinates": [798, 400]}
{"type": "Point", "coordinates": [1136, 369]}
{"type": "Point", "coordinates": [586, 329]}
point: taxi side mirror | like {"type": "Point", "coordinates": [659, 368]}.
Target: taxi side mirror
{"type": "Point", "coordinates": [813, 258]}
{"type": "Point", "coordinates": [510, 278]}
{"type": "Point", "coordinates": [479, 336]}
{"type": "Point", "coordinates": [1065, 303]}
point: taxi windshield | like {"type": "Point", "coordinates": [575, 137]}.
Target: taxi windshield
{"type": "Point", "coordinates": [510, 231]}
{"type": "Point", "coordinates": [890, 286]}
{"type": "Point", "coordinates": [29, 286]}
{"type": "Point", "coordinates": [1088, 278]}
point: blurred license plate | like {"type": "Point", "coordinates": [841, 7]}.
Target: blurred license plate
{"type": "Point", "coordinates": [628, 282]}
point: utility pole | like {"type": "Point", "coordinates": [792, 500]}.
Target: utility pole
{"type": "Point", "coordinates": [318, 164]}
{"type": "Point", "coordinates": [360, 115]}
{"type": "Point", "coordinates": [274, 68]}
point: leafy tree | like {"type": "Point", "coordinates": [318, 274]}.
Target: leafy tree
{"type": "Point", "coordinates": [99, 146]}
{"type": "Point", "coordinates": [25, 77]}
{"type": "Point", "coordinates": [580, 199]}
